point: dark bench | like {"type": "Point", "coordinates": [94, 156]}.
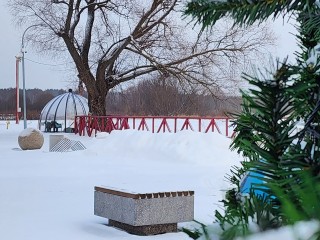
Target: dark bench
{"type": "Point", "coordinates": [53, 125]}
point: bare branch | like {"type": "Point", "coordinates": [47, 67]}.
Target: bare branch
{"type": "Point", "coordinates": [115, 41]}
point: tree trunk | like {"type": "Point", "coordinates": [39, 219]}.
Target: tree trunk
{"type": "Point", "coordinates": [97, 105]}
{"type": "Point", "coordinates": [97, 90]}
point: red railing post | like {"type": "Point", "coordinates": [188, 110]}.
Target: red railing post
{"type": "Point", "coordinates": [186, 125]}
{"type": "Point", "coordinates": [88, 126]}
{"type": "Point", "coordinates": [82, 122]}
{"type": "Point", "coordinates": [213, 124]}
{"type": "Point", "coordinates": [103, 124]}
{"type": "Point", "coordinates": [124, 124]}
{"type": "Point", "coordinates": [164, 125]}
{"type": "Point", "coordinates": [118, 119]}
{"type": "Point", "coordinates": [143, 124]}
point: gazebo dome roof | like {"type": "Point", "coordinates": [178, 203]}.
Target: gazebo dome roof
{"type": "Point", "coordinates": [64, 107]}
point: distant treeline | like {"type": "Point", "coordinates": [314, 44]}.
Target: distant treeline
{"type": "Point", "coordinates": [147, 98]}
{"type": "Point", "coordinates": [36, 99]}
{"type": "Point", "coordinates": [169, 98]}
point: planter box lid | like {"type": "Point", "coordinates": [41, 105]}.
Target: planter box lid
{"type": "Point", "coordinates": [134, 195]}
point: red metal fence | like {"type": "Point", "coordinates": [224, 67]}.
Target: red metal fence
{"type": "Point", "coordinates": [86, 125]}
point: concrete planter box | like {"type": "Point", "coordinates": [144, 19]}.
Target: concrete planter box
{"type": "Point", "coordinates": [144, 214]}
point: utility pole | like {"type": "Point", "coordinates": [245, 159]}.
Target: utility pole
{"type": "Point", "coordinates": [18, 109]}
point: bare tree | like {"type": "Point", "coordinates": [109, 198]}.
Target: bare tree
{"type": "Point", "coordinates": [156, 97]}
{"type": "Point", "coordinates": [166, 97]}
{"type": "Point", "coordinates": [115, 41]}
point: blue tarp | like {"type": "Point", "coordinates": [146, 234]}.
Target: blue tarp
{"type": "Point", "coordinates": [252, 179]}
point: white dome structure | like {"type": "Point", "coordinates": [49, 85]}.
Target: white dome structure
{"type": "Point", "coordinates": [59, 112]}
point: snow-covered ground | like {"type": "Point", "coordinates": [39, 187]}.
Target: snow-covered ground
{"type": "Point", "coordinates": [49, 195]}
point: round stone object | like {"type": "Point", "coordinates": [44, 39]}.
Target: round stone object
{"type": "Point", "coordinates": [30, 139]}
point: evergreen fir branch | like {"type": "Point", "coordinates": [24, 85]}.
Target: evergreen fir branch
{"type": "Point", "coordinates": [270, 109]}
{"type": "Point", "coordinates": [208, 12]}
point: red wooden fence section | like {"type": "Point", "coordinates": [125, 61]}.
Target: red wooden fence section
{"type": "Point", "coordinates": [86, 125]}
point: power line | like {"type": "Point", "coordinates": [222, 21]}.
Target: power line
{"type": "Point", "coordinates": [48, 64]}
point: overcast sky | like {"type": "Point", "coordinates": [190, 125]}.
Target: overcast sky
{"type": "Point", "coordinates": [50, 74]}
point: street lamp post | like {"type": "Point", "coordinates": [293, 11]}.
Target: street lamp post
{"type": "Point", "coordinates": [24, 78]}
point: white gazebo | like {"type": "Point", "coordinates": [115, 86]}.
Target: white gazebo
{"type": "Point", "coordinates": [59, 112]}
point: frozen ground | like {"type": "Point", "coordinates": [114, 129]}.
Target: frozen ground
{"type": "Point", "coordinates": [49, 195]}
